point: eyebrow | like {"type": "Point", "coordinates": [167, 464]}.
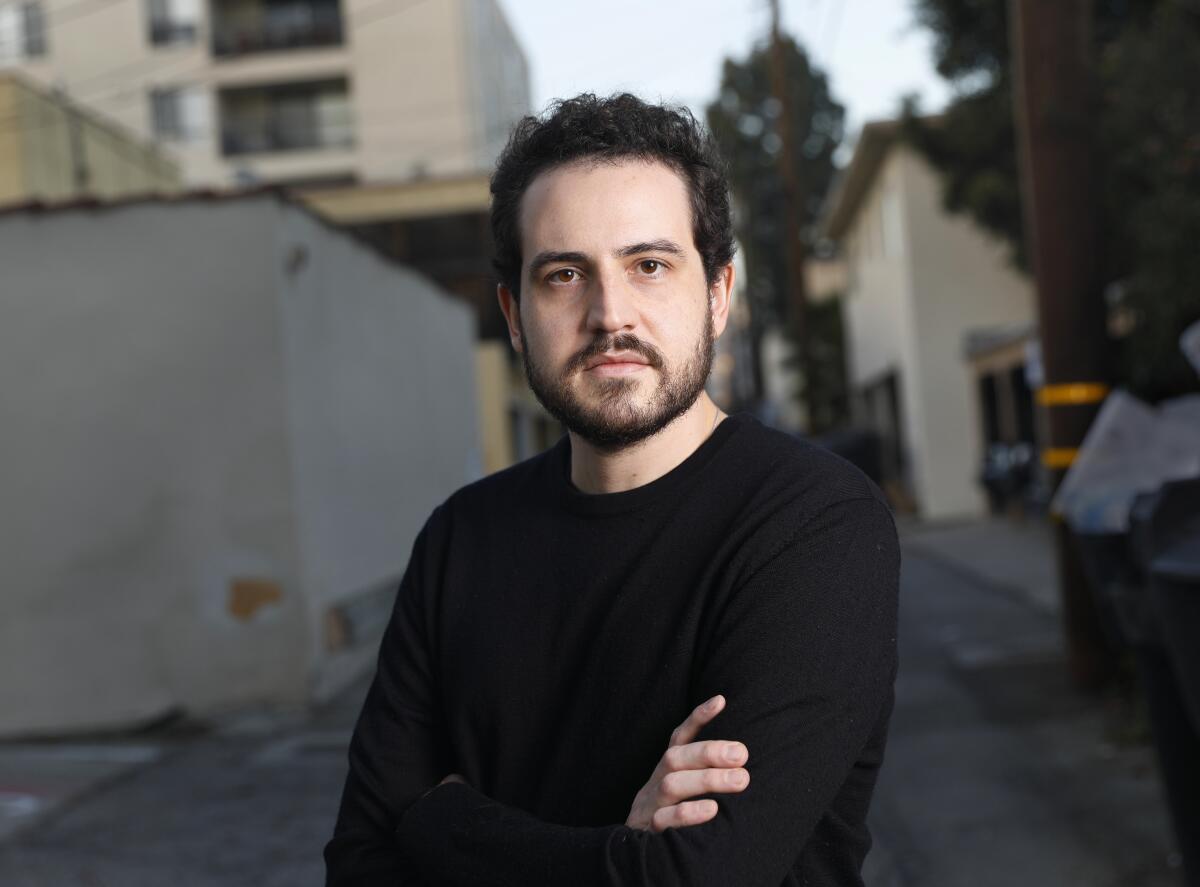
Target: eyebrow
{"type": "Point", "coordinates": [550, 257]}
{"type": "Point", "coordinates": [650, 246]}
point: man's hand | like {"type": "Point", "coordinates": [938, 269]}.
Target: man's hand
{"type": "Point", "coordinates": [688, 769]}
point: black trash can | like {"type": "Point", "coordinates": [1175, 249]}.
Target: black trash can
{"type": "Point", "coordinates": [1175, 591]}
{"type": "Point", "coordinates": [1165, 538]}
{"type": "Point", "coordinates": [1117, 582]}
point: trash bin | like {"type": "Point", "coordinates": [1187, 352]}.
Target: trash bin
{"type": "Point", "coordinates": [1118, 585]}
{"type": "Point", "coordinates": [1175, 591]}
{"type": "Point", "coordinates": [1165, 538]}
{"type": "Point", "coordinates": [1177, 747]}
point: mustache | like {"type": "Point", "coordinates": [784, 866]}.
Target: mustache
{"type": "Point", "coordinates": [619, 342]}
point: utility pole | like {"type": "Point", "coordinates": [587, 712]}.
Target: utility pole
{"type": "Point", "coordinates": [794, 252]}
{"type": "Point", "coordinates": [1054, 105]}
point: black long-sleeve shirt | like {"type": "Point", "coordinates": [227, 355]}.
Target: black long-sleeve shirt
{"type": "Point", "coordinates": [545, 642]}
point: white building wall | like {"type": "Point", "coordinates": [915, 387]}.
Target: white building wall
{"type": "Point", "coordinates": [382, 415]}
{"type": "Point", "coordinates": [920, 278]}
{"type": "Point", "coordinates": [145, 440]}
{"type": "Point", "coordinates": [880, 324]}
{"type": "Point", "coordinates": [962, 280]}
{"type": "Point", "coordinates": [196, 393]}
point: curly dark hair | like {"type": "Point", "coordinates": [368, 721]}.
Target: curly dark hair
{"type": "Point", "coordinates": [608, 130]}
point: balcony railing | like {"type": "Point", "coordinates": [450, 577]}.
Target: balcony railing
{"type": "Point", "coordinates": [278, 135]}
{"type": "Point", "coordinates": [164, 32]}
{"type": "Point", "coordinates": [293, 27]}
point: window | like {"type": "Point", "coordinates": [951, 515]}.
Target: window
{"type": "Point", "coordinates": [245, 26]}
{"type": "Point", "coordinates": [22, 31]}
{"type": "Point", "coordinates": [286, 117]}
{"type": "Point", "coordinates": [180, 114]}
{"type": "Point", "coordinates": [173, 21]}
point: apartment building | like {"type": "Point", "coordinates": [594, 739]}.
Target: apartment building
{"type": "Point", "coordinates": [291, 91]}
{"type": "Point", "coordinates": [921, 286]}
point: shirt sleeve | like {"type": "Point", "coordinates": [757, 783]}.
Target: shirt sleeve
{"type": "Point", "coordinates": [805, 653]}
{"type": "Point", "coordinates": [398, 748]}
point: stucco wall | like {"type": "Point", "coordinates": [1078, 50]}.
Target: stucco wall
{"type": "Point", "coordinates": [412, 97]}
{"type": "Point", "coordinates": [221, 419]}
{"type": "Point", "coordinates": [145, 439]}
{"type": "Point", "coordinates": [880, 325]}
{"type": "Point", "coordinates": [962, 280]}
{"type": "Point", "coordinates": [920, 278]}
{"type": "Point", "coordinates": [382, 412]}
{"type": "Point", "coordinates": [46, 138]}
{"type": "Point", "coordinates": [12, 177]}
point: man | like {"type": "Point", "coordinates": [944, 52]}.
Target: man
{"type": "Point", "coordinates": [558, 620]}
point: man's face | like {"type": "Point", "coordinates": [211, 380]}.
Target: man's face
{"type": "Point", "coordinates": [616, 320]}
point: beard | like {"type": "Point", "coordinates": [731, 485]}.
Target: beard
{"type": "Point", "coordinates": [612, 419]}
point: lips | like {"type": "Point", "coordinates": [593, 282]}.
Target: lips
{"type": "Point", "coordinates": [605, 359]}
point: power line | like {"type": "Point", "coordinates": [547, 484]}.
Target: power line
{"type": "Point", "coordinates": [422, 113]}
{"type": "Point", "coordinates": [80, 87]}
{"type": "Point", "coordinates": [137, 92]}
{"type": "Point", "coordinates": [61, 17]}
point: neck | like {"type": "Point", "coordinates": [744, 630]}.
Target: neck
{"type": "Point", "coordinates": [600, 471]}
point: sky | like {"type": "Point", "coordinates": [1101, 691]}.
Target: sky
{"type": "Point", "coordinates": [672, 50]}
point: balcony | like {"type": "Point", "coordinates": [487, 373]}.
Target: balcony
{"type": "Point", "coordinates": [242, 27]}
{"type": "Point", "coordinates": [287, 117]}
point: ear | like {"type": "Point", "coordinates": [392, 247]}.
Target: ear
{"type": "Point", "coordinates": [512, 314]}
{"type": "Point", "coordinates": [720, 294]}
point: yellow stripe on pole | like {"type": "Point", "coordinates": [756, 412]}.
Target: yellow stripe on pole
{"type": "Point", "coordinates": [1072, 393]}
{"type": "Point", "coordinates": [1059, 457]}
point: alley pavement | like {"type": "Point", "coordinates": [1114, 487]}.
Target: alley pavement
{"type": "Point", "coordinates": [997, 772]}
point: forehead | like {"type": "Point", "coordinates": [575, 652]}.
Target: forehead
{"type": "Point", "coordinates": [590, 206]}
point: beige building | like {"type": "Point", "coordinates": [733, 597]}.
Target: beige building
{"type": "Point", "coordinates": [286, 90]}
{"type": "Point", "coordinates": [919, 283]}
{"type": "Point", "coordinates": [51, 149]}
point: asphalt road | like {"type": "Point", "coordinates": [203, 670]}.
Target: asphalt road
{"type": "Point", "coordinates": [997, 774]}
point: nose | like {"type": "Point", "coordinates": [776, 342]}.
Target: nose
{"type": "Point", "coordinates": [610, 308]}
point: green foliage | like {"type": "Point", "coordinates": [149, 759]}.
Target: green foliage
{"type": "Point", "coordinates": [1148, 135]}
{"type": "Point", "coordinates": [827, 395]}
{"type": "Point", "coordinates": [745, 120]}
{"type": "Point", "coordinates": [972, 144]}
{"type": "Point", "coordinates": [1151, 125]}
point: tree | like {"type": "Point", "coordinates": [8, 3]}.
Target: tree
{"type": "Point", "coordinates": [1151, 129]}
{"type": "Point", "coordinates": [1148, 153]}
{"type": "Point", "coordinates": [744, 119]}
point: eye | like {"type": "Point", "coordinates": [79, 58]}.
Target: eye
{"type": "Point", "coordinates": [650, 266]}
{"type": "Point", "coordinates": [563, 275]}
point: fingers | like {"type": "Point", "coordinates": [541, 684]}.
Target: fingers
{"type": "Point", "coordinates": [681, 815]}
{"type": "Point", "coordinates": [676, 787]}
{"type": "Point", "coordinates": [698, 755]}
{"type": "Point", "coordinates": [700, 716]}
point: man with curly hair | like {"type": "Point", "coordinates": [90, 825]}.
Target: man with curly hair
{"type": "Point", "coordinates": [664, 650]}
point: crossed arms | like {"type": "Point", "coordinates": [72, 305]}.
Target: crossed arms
{"type": "Point", "coordinates": [806, 660]}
